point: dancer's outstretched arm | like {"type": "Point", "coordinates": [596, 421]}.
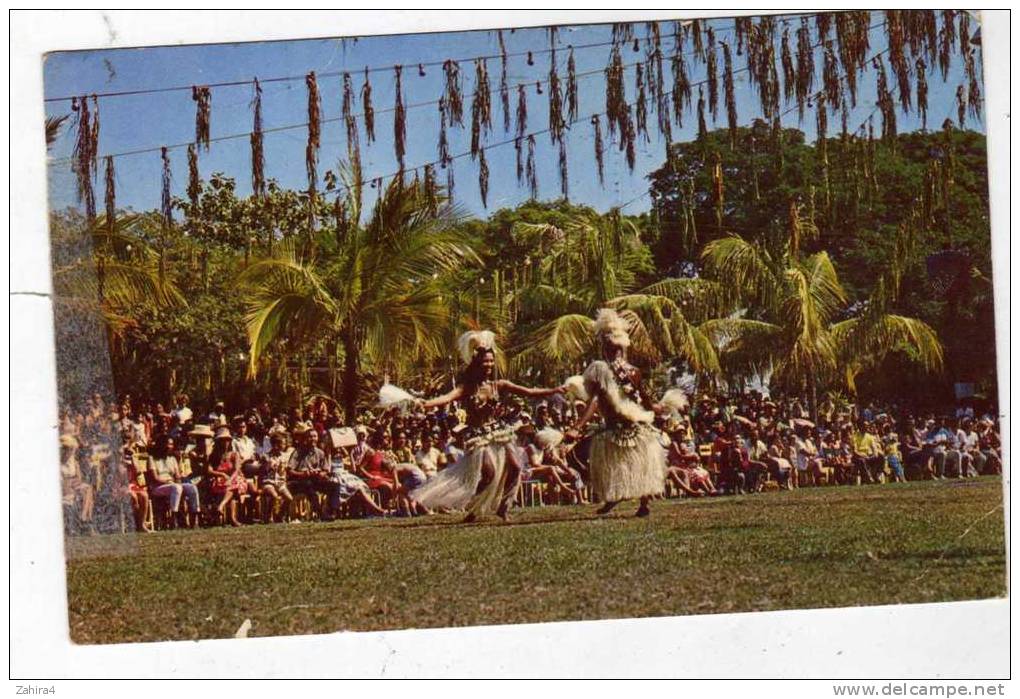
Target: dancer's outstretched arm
{"type": "Point", "coordinates": [440, 401]}
{"type": "Point", "coordinates": [529, 392]}
{"type": "Point", "coordinates": [588, 414]}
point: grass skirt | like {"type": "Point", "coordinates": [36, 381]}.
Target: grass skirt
{"type": "Point", "coordinates": [627, 461]}
{"type": "Point", "coordinates": [455, 486]}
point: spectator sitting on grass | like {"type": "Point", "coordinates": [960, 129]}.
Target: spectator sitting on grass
{"type": "Point", "coordinates": [272, 476]}
{"type": "Point", "coordinates": [76, 492]}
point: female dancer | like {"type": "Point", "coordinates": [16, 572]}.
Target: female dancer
{"type": "Point", "coordinates": [486, 478]}
{"type": "Point", "coordinates": [626, 459]}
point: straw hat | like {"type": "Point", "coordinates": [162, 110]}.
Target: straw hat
{"type": "Point", "coordinates": [223, 433]}
{"type": "Point", "coordinates": [301, 428]}
{"type": "Point", "coordinates": [201, 431]}
{"type": "Point", "coordinates": [68, 440]}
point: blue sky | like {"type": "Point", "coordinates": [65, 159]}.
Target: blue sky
{"type": "Point", "coordinates": [147, 121]}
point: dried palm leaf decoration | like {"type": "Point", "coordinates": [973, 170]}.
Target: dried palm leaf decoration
{"type": "Point", "coordinates": [922, 93]}
{"type": "Point", "coordinates": [789, 72]}
{"type": "Point", "coordinates": [258, 160]}
{"type": "Point", "coordinates": [203, 104]}
{"type": "Point", "coordinates": [454, 96]}
{"type": "Point", "coordinates": [961, 105]}
{"type": "Point", "coordinates": [111, 194]}
{"type": "Point", "coordinates": [616, 98]}
{"type": "Point", "coordinates": [564, 177]}
{"type": "Point", "coordinates": [531, 171]}
{"type": "Point", "coordinates": [973, 84]}
{"type": "Point", "coordinates": [702, 126]}
{"type": "Point", "coordinates": [596, 123]}
{"type": "Point", "coordinates": [194, 182]}
{"type": "Point", "coordinates": [556, 121]}
{"type": "Point", "coordinates": [504, 86]}
{"type": "Point", "coordinates": [481, 106]}
{"type": "Point", "coordinates": [83, 161]}
{"type": "Point", "coordinates": [712, 77]}
{"type": "Point", "coordinates": [640, 105]}
{"type": "Point", "coordinates": [947, 41]}
{"type": "Point", "coordinates": [399, 120]}
{"type": "Point", "coordinates": [368, 112]}
{"type": "Point", "coordinates": [314, 132]}
{"type": "Point", "coordinates": [805, 67]}
{"type": "Point", "coordinates": [483, 178]}
{"type": "Point", "coordinates": [731, 102]}
{"type": "Point", "coordinates": [681, 82]}
{"type": "Point", "coordinates": [571, 87]}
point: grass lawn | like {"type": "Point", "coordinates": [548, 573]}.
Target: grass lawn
{"type": "Point", "coordinates": [817, 547]}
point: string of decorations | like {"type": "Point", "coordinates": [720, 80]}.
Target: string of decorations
{"type": "Point", "coordinates": [920, 34]}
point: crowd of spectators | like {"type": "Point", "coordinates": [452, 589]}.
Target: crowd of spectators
{"type": "Point", "coordinates": [178, 466]}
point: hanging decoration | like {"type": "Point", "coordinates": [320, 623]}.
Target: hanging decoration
{"type": "Point", "coordinates": [83, 162]}
{"type": "Point", "coordinates": [111, 195]}
{"type": "Point", "coordinates": [947, 41]}
{"type": "Point", "coordinates": [964, 31]}
{"type": "Point", "coordinates": [805, 67]}
{"type": "Point", "coordinates": [961, 105]}
{"type": "Point", "coordinates": [823, 24]}
{"type": "Point", "coordinates": [399, 121]}
{"type": "Point", "coordinates": [445, 160]}
{"type": "Point", "coordinates": [640, 106]}
{"type": "Point", "coordinates": [622, 32]}
{"type": "Point", "coordinates": [504, 86]}
{"type": "Point", "coordinates": [699, 45]}
{"type": "Point", "coordinates": [681, 82]}
{"type": "Point", "coordinates": [702, 126]}
{"type": "Point", "coordinates": [712, 78]}
{"type": "Point", "coordinates": [454, 96]}
{"type": "Point", "coordinates": [571, 87]}
{"type": "Point", "coordinates": [202, 97]}
{"type": "Point", "coordinates": [564, 177]}
{"type": "Point", "coordinates": [596, 123]}
{"type": "Point", "coordinates": [789, 73]}
{"type": "Point", "coordinates": [884, 101]}
{"type": "Point", "coordinates": [852, 35]}
{"type": "Point", "coordinates": [194, 181]}
{"type": "Point", "coordinates": [368, 112]}
{"type": "Point", "coordinates": [531, 171]}
{"type": "Point", "coordinates": [973, 84]}
{"type": "Point", "coordinates": [831, 80]}
{"type": "Point", "coordinates": [616, 96]}
{"type": "Point", "coordinates": [314, 132]}
{"type": "Point", "coordinates": [258, 160]}
{"type": "Point", "coordinates": [556, 122]}
{"type": "Point", "coordinates": [166, 200]}
{"type": "Point", "coordinates": [896, 33]}
{"type": "Point", "coordinates": [627, 138]}
{"type": "Point", "coordinates": [481, 106]}
{"type": "Point", "coordinates": [483, 178]}
{"type": "Point", "coordinates": [731, 102]}
{"type": "Point", "coordinates": [742, 28]}
{"type": "Point", "coordinates": [922, 93]}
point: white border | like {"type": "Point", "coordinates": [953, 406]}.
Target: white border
{"type": "Point", "coordinates": [968, 639]}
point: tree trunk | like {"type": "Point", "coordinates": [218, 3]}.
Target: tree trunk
{"type": "Point", "coordinates": [350, 387]}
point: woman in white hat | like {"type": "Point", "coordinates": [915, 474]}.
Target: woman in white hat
{"type": "Point", "coordinates": [626, 459]}
{"type": "Point", "coordinates": [485, 479]}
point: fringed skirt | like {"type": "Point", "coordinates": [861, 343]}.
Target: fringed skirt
{"type": "Point", "coordinates": [627, 461]}
{"type": "Point", "coordinates": [456, 486]}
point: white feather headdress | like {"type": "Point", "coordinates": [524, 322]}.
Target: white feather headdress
{"type": "Point", "coordinates": [609, 326]}
{"type": "Point", "coordinates": [474, 340]}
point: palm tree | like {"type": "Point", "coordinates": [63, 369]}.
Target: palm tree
{"type": "Point", "coordinates": [110, 274]}
{"type": "Point", "coordinates": [53, 126]}
{"type": "Point", "coordinates": [372, 291]}
{"type": "Point", "coordinates": [596, 264]}
{"type": "Point", "coordinates": [785, 314]}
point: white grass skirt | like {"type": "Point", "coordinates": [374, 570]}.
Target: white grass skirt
{"type": "Point", "coordinates": [627, 462]}
{"type": "Point", "coordinates": [454, 487]}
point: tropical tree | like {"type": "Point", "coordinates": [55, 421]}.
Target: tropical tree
{"type": "Point", "coordinates": [594, 262]}
{"type": "Point", "coordinates": [790, 317]}
{"type": "Point", "coordinates": [372, 292]}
